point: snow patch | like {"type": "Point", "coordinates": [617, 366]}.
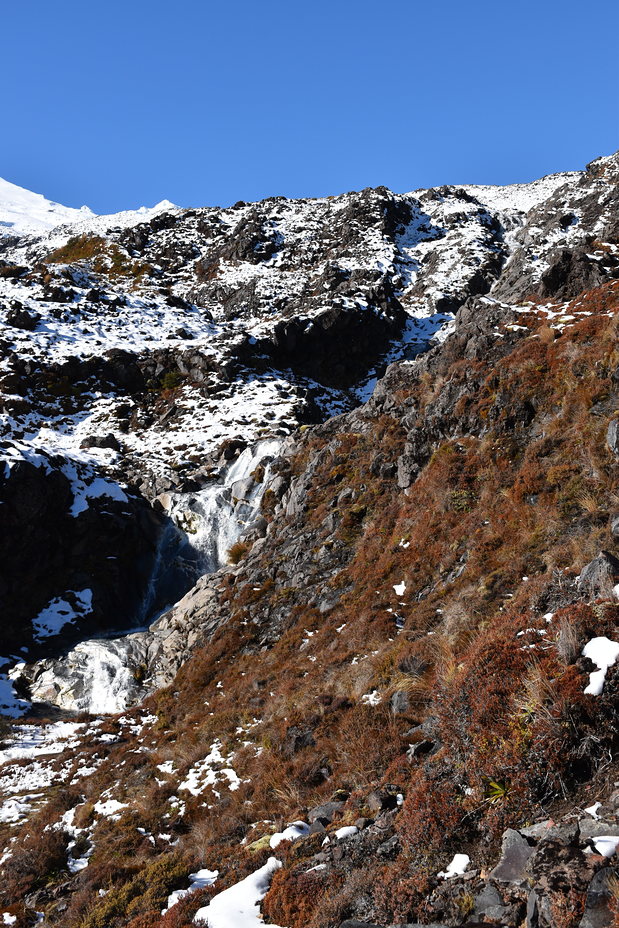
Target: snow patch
{"type": "Point", "coordinates": [603, 652]}
{"type": "Point", "coordinates": [239, 906]}
{"type": "Point", "coordinates": [291, 833]}
{"type": "Point", "coordinates": [110, 808]}
{"type": "Point", "coordinates": [346, 831]}
{"type": "Point", "coordinates": [606, 845]}
{"type": "Point", "coordinates": [199, 880]}
{"type": "Point", "coordinates": [59, 612]}
{"type": "Point", "coordinates": [457, 866]}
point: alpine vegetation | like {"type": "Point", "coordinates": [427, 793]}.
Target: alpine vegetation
{"type": "Point", "coordinates": [309, 546]}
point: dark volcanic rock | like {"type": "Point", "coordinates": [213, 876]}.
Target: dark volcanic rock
{"type": "Point", "coordinates": [107, 546]}
{"type": "Point", "coordinates": [599, 577]}
{"type": "Point", "coordinates": [23, 319]}
{"type": "Point", "coordinates": [515, 853]}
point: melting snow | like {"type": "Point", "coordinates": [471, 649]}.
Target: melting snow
{"type": "Point", "coordinates": [291, 833]}
{"type": "Point", "coordinates": [603, 652]}
{"type": "Point", "coordinates": [209, 771]}
{"type": "Point", "coordinates": [110, 808]}
{"type": "Point", "coordinates": [12, 810]}
{"type": "Point", "coordinates": [457, 867]}
{"type": "Point", "coordinates": [239, 906]}
{"type": "Point", "coordinates": [36, 740]}
{"type": "Point", "coordinates": [199, 880]}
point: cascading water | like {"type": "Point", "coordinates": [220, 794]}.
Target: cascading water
{"type": "Point", "coordinates": [216, 516]}
{"type": "Point", "coordinates": [99, 675]}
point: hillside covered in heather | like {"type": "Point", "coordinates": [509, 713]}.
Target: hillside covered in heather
{"type": "Point", "coordinates": [310, 560]}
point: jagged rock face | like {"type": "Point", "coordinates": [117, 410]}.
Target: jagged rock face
{"type": "Point", "coordinates": [564, 243]}
{"type": "Point", "coordinates": [206, 321]}
{"type": "Point", "coordinates": [76, 551]}
{"type": "Point", "coordinates": [108, 675]}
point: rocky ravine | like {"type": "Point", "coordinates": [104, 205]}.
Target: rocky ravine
{"type": "Point", "coordinates": [150, 347]}
{"type": "Point", "coordinates": [396, 661]}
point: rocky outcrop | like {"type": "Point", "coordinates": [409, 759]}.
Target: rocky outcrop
{"type": "Point", "coordinates": [106, 675]}
{"type": "Point", "coordinates": [599, 577]}
{"type": "Point", "coordinates": [67, 531]}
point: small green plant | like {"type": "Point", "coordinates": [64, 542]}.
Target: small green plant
{"type": "Point", "coordinates": [496, 790]}
{"type": "Point", "coordinates": [171, 381]}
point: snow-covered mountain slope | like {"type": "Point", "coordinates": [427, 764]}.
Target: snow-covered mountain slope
{"type": "Point", "coordinates": [150, 347]}
{"type": "Point", "coordinates": [25, 213]}
{"type": "Point", "coordinates": [382, 617]}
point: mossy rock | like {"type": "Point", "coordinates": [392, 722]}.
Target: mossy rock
{"type": "Point", "coordinates": [262, 844]}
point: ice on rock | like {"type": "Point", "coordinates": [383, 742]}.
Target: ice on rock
{"type": "Point", "coordinates": [97, 676]}
{"type": "Point", "coordinates": [94, 677]}
{"type": "Point", "coordinates": [217, 515]}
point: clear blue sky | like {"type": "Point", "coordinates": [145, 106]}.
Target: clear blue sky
{"type": "Point", "coordinates": [118, 104]}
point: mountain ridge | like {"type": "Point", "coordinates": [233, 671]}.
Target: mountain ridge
{"type": "Point", "coordinates": [394, 660]}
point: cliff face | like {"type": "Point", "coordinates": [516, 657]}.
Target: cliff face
{"type": "Point", "coordinates": [412, 658]}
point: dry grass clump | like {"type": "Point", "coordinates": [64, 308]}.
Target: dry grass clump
{"type": "Point", "coordinates": [102, 256]}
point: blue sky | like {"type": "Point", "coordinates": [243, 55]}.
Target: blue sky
{"type": "Point", "coordinates": [119, 104]}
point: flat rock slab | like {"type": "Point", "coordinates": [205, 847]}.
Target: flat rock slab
{"type": "Point", "coordinates": [592, 828]}
{"type": "Point", "coordinates": [515, 854]}
{"type": "Point", "coordinates": [565, 833]}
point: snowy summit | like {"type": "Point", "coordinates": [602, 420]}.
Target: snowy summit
{"type": "Point", "coordinates": [23, 212]}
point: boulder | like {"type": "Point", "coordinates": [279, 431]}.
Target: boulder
{"type": "Point", "coordinates": [23, 319]}
{"type": "Point", "coordinates": [101, 441]}
{"type": "Point", "coordinates": [600, 576]}
{"type": "Point", "coordinates": [325, 812]}
{"type": "Point", "coordinates": [515, 854]}
{"type": "Point", "coordinates": [612, 436]}
{"type": "Point", "coordinates": [597, 912]}
{"type": "Point", "coordinates": [489, 904]}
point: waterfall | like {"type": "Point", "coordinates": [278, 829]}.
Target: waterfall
{"type": "Point", "coordinates": [216, 516]}
{"type": "Point", "coordinates": [99, 675]}
{"type": "Point", "coordinates": [95, 676]}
